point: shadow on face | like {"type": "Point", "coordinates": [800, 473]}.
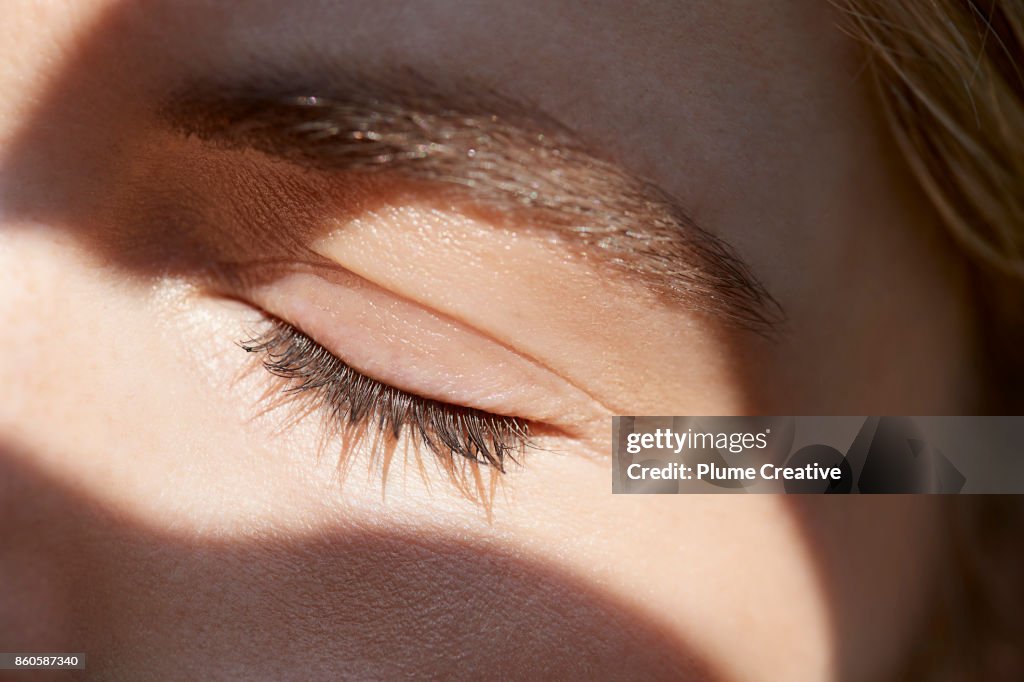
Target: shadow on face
{"type": "Point", "coordinates": [144, 602]}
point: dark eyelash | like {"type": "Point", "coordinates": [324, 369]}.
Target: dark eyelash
{"type": "Point", "coordinates": [353, 399]}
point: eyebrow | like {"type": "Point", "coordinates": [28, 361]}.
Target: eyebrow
{"type": "Point", "coordinates": [491, 151]}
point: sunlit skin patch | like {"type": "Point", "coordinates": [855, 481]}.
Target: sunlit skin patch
{"type": "Point", "coordinates": [516, 285]}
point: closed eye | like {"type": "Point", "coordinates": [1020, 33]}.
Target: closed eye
{"type": "Point", "coordinates": [353, 403]}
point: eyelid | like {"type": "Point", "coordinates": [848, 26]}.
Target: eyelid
{"type": "Point", "coordinates": [404, 345]}
{"type": "Point", "coordinates": [352, 402]}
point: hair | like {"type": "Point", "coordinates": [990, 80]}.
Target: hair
{"type": "Point", "coordinates": [950, 78]}
{"type": "Point", "coordinates": [949, 75]}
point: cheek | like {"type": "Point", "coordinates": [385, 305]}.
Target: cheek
{"type": "Point", "coordinates": [730, 574]}
{"type": "Point", "coordinates": [765, 587]}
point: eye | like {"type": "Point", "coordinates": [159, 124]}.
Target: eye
{"type": "Point", "coordinates": [354, 405]}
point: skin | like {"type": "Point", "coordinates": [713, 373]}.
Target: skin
{"type": "Point", "coordinates": [154, 510]}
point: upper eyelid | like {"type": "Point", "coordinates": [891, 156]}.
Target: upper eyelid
{"type": "Point", "coordinates": [259, 284]}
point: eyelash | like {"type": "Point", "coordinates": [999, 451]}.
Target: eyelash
{"type": "Point", "coordinates": [351, 401]}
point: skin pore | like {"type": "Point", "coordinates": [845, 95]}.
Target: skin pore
{"type": "Point", "coordinates": [154, 505]}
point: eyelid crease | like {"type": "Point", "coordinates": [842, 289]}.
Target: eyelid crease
{"type": "Point", "coordinates": [312, 262]}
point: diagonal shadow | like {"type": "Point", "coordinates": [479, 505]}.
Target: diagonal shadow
{"type": "Point", "coordinates": [342, 604]}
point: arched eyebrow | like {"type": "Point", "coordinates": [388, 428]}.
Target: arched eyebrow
{"type": "Point", "coordinates": [494, 152]}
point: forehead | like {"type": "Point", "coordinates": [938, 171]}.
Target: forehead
{"type": "Point", "coordinates": [666, 85]}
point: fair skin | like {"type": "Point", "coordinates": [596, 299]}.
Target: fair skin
{"type": "Point", "coordinates": [154, 510]}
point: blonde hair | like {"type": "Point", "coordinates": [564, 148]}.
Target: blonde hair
{"type": "Point", "coordinates": [949, 75]}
